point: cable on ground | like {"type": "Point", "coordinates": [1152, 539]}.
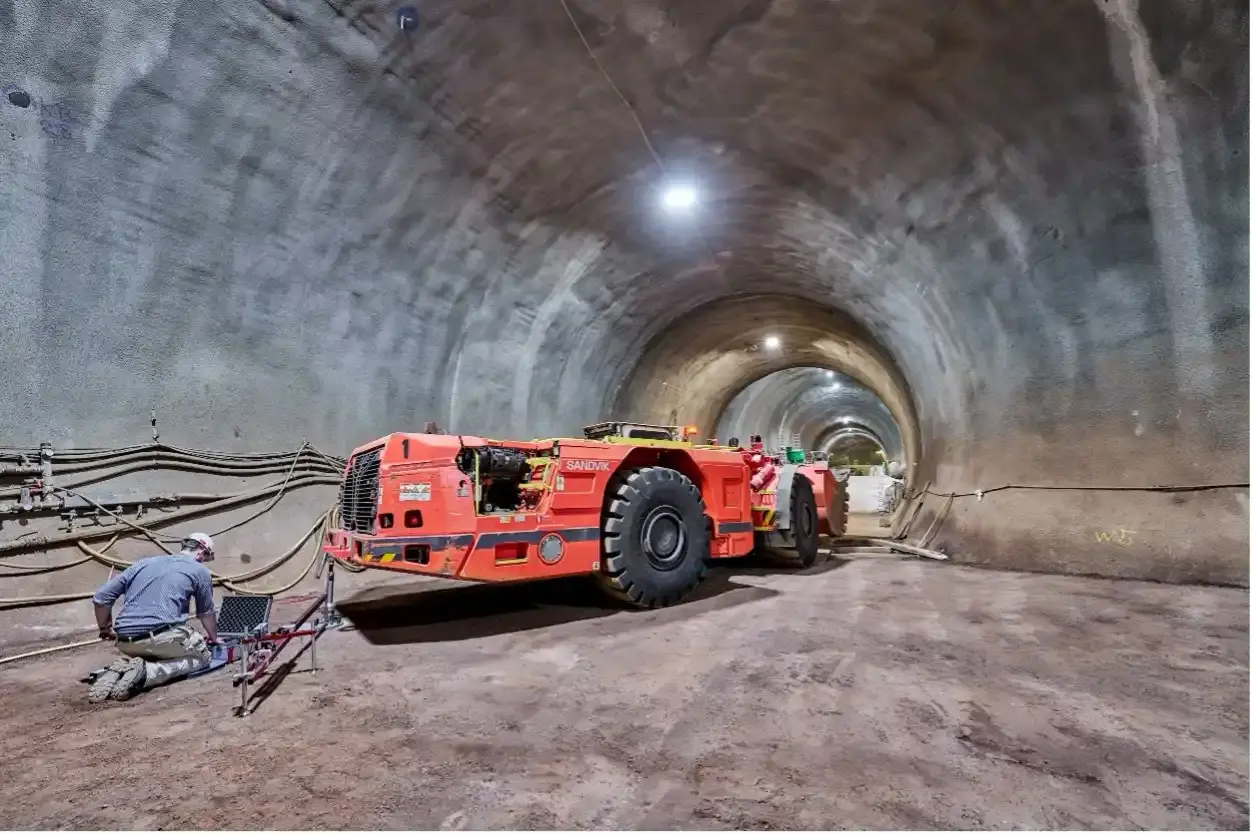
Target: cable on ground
{"type": "Point", "coordinates": [1085, 488]}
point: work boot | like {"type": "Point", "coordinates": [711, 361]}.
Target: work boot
{"type": "Point", "coordinates": [130, 681]}
{"type": "Point", "coordinates": [103, 685]}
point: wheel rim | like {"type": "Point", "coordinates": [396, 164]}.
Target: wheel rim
{"type": "Point", "coordinates": [664, 538]}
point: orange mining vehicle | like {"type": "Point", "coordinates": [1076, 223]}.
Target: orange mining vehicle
{"type": "Point", "coordinates": [641, 508]}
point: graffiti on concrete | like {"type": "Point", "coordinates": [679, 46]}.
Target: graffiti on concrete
{"type": "Point", "coordinates": [1120, 536]}
{"type": "Point", "coordinates": [56, 119]}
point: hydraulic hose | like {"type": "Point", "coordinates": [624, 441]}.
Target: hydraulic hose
{"type": "Point", "coordinates": [170, 454]}
{"type": "Point", "coordinates": [180, 465]}
{"type": "Point", "coordinates": [268, 567]}
{"type": "Point", "coordinates": [39, 652]}
{"type": "Point", "coordinates": [26, 602]}
{"type": "Point", "coordinates": [215, 506]}
{"type": "Point", "coordinates": [97, 452]}
{"type": "Point", "coordinates": [230, 582]}
{"type": "Point", "coordinates": [31, 570]}
{"type": "Point", "coordinates": [314, 463]}
{"type": "Point", "coordinates": [911, 549]}
{"type": "Point", "coordinates": [273, 501]}
{"type": "Point", "coordinates": [306, 466]}
{"type": "Point", "coordinates": [76, 645]}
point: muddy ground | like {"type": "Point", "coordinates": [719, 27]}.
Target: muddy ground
{"type": "Point", "coordinates": [867, 694]}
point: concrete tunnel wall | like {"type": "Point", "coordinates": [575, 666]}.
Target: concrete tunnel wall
{"type": "Point", "coordinates": [813, 403]}
{"type": "Point", "coordinates": [273, 221]}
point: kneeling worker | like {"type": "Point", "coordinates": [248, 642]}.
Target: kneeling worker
{"type": "Point", "coordinates": [152, 628]}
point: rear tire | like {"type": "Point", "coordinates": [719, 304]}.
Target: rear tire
{"type": "Point", "coordinates": [654, 538]}
{"type": "Point", "coordinates": [838, 521]}
{"type": "Point", "coordinates": [799, 546]}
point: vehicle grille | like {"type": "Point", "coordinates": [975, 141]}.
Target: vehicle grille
{"type": "Point", "coordinates": [358, 498]}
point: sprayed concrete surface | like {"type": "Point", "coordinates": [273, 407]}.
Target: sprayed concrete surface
{"type": "Point", "coordinates": [1023, 225]}
{"type": "Point", "coordinates": [876, 693]}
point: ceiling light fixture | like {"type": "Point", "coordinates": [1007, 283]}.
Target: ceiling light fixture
{"type": "Point", "coordinates": [772, 342]}
{"type": "Point", "coordinates": [678, 198]}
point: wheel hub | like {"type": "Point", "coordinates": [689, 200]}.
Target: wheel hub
{"type": "Point", "coordinates": [664, 538]}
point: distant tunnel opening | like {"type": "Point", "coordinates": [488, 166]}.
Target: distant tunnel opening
{"type": "Point", "coordinates": [769, 365]}
{"type": "Point", "coordinates": [818, 409]}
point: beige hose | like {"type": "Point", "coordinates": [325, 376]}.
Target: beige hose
{"type": "Point", "coordinates": [229, 582]}
{"type": "Point", "coordinates": [39, 652]}
{"type": "Point", "coordinates": [43, 542]}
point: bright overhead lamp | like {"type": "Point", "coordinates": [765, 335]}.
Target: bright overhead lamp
{"type": "Point", "coordinates": [677, 198]}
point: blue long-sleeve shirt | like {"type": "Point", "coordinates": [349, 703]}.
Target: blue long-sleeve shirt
{"type": "Point", "coordinates": [158, 592]}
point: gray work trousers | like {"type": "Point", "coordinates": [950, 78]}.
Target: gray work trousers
{"type": "Point", "coordinates": [171, 654]}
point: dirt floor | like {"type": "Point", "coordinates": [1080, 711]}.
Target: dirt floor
{"type": "Point", "coordinates": [866, 525]}
{"type": "Point", "coordinates": [877, 693]}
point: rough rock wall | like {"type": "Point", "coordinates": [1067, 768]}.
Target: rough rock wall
{"type": "Point", "coordinates": [229, 218]}
{"type": "Point", "coordinates": [245, 225]}
{"type": "Point", "coordinates": [272, 221]}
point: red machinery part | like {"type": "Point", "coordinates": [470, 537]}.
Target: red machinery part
{"type": "Point", "coordinates": [281, 639]}
{"type": "Point", "coordinates": [764, 470]}
{"type": "Point", "coordinates": [478, 509]}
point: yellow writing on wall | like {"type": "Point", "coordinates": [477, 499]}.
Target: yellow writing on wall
{"type": "Point", "coordinates": [1120, 536]}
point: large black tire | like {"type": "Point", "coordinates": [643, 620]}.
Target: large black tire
{"type": "Point", "coordinates": [799, 546]}
{"type": "Point", "coordinates": [654, 537]}
{"type": "Point", "coordinates": [837, 515]}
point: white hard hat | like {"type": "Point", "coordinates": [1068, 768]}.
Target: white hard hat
{"type": "Point", "coordinates": [201, 544]}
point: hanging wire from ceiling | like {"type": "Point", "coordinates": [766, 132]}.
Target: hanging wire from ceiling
{"type": "Point", "coordinates": [643, 132]}
{"type": "Point", "coordinates": [634, 113]}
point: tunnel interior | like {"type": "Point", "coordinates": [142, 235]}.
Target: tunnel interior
{"type": "Point", "coordinates": [816, 409]}
{"type": "Point", "coordinates": [1022, 229]}
{"type": "Point", "coordinates": [1005, 242]}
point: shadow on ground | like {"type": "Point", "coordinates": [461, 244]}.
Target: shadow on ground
{"type": "Point", "coordinates": [416, 613]}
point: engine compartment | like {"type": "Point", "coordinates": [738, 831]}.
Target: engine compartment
{"type": "Point", "coordinates": [505, 479]}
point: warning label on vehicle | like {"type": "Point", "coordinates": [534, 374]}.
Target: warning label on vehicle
{"type": "Point", "coordinates": [414, 492]}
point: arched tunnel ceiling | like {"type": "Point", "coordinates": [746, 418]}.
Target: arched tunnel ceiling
{"type": "Point", "coordinates": [276, 220]}
{"type": "Point", "coordinates": [814, 403]}
{"type": "Point", "coordinates": [691, 372]}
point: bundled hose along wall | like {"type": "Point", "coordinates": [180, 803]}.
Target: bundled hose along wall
{"type": "Point", "coordinates": [307, 466]}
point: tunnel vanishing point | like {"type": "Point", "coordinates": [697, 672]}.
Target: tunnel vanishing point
{"type": "Point", "coordinates": [1023, 226]}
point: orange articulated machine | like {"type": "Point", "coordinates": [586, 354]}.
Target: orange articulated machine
{"type": "Point", "coordinates": [641, 508]}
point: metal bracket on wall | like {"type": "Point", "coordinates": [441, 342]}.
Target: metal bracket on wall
{"type": "Point", "coordinates": [89, 518]}
{"type": "Point", "coordinates": [74, 510]}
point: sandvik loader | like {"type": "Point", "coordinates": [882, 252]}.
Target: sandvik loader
{"type": "Point", "coordinates": [642, 508]}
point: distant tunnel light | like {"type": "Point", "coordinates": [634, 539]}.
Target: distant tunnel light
{"type": "Point", "coordinates": [678, 198]}
{"type": "Point", "coordinates": [830, 374]}
{"type": "Point", "coordinates": [772, 343]}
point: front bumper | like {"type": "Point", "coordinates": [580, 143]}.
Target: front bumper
{"type": "Point", "coordinates": [434, 555]}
